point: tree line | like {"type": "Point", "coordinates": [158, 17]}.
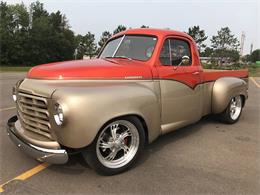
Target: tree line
{"type": "Point", "coordinates": [32, 36]}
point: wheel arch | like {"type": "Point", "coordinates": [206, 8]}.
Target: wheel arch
{"type": "Point", "coordinates": [224, 89]}
{"type": "Point", "coordinates": [243, 99]}
{"type": "Point", "coordinates": [138, 116]}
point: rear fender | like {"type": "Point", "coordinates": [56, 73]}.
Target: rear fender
{"type": "Point", "coordinates": [226, 88]}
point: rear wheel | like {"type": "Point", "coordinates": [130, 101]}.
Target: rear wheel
{"type": "Point", "coordinates": [233, 111]}
{"type": "Point", "coordinates": [117, 146]}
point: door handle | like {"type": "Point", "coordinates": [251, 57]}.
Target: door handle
{"type": "Point", "coordinates": [196, 73]}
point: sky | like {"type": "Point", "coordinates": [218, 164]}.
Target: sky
{"type": "Point", "coordinates": [97, 16]}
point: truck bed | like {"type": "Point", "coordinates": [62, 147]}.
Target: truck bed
{"type": "Point", "coordinates": [213, 74]}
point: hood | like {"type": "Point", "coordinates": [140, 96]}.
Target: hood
{"type": "Point", "coordinates": [92, 69]}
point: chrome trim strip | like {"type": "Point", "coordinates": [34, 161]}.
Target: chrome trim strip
{"type": "Point", "coordinates": [118, 46]}
{"type": "Point", "coordinates": [170, 49]}
{"type": "Point", "coordinates": [59, 151]}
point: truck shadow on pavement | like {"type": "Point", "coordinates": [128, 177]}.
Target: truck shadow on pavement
{"type": "Point", "coordinates": [77, 165]}
{"type": "Point", "coordinates": [174, 136]}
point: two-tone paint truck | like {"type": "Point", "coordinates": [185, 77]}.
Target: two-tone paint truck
{"type": "Point", "coordinates": [144, 83]}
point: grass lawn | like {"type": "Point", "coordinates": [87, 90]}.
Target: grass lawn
{"type": "Point", "coordinates": [254, 71]}
{"type": "Point", "coordinates": [14, 68]}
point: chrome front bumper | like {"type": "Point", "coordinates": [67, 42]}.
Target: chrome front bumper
{"type": "Point", "coordinates": [54, 156]}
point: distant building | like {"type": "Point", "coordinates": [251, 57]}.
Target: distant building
{"type": "Point", "coordinates": [218, 60]}
{"type": "Point", "coordinates": [86, 57]}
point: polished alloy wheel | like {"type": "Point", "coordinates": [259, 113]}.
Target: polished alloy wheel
{"type": "Point", "coordinates": [117, 144]}
{"type": "Point", "coordinates": [235, 107]}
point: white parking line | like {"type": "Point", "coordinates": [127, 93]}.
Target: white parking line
{"type": "Point", "coordinates": [5, 109]}
{"type": "Point", "coordinates": [254, 81]}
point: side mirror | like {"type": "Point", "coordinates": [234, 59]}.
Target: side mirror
{"type": "Point", "coordinates": [185, 60]}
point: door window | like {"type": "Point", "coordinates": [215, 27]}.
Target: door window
{"type": "Point", "coordinates": [173, 50]}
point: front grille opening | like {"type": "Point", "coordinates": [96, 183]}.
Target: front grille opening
{"type": "Point", "coordinates": [33, 114]}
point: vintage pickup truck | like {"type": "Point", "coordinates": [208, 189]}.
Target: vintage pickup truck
{"type": "Point", "coordinates": [144, 83]}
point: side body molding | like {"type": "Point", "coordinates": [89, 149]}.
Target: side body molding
{"type": "Point", "coordinates": [224, 89]}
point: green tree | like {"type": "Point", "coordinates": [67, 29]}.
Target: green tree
{"type": "Point", "coordinates": [225, 44]}
{"type": "Point", "coordinates": [79, 51]}
{"type": "Point", "coordinates": [119, 29]}
{"type": "Point", "coordinates": [255, 56]}
{"type": "Point", "coordinates": [37, 10]}
{"type": "Point", "coordinates": [20, 34]}
{"type": "Point", "coordinates": [103, 39]}
{"type": "Point", "coordinates": [199, 36]}
{"type": "Point", "coordinates": [50, 37]}
{"type": "Point", "coordinates": [14, 33]}
{"type": "Point", "coordinates": [246, 58]}
{"type": "Point", "coordinates": [225, 40]}
{"type": "Point", "coordinates": [86, 45]}
{"type": "Point", "coordinates": [90, 45]}
{"type": "Point", "coordinates": [62, 41]}
{"type": "Point", "coordinates": [58, 21]}
{"type": "Point", "coordinates": [34, 36]}
{"type": "Point", "coordinates": [42, 36]}
{"type": "Point", "coordinates": [6, 31]}
{"type": "Point", "coordinates": [143, 26]}
{"type": "Point", "coordinates": [207, 52]}
{"type": "Point", "coordinates": [233, 55]}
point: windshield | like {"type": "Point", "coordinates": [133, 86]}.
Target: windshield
{"type": "Point", "coordinates": [130, 47]}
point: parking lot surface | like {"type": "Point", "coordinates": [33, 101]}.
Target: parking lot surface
{"type": "Point", "coordinates": [204, 158]}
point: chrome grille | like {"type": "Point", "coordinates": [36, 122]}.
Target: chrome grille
{"type": "Point", "coordinates": [33, 114]}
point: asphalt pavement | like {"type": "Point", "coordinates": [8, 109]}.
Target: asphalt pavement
{"type": "Point", "coordinates": [204, 158]}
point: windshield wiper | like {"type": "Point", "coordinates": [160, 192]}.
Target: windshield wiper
{"type": "Point", "coordinates": [121, 57]}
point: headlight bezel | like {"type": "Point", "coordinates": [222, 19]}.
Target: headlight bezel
{"type": "Point", "coordinates": [59, 114]}
{"type": "Point", "coordinates": [14, 95]}
{"type": "Point", "coordinates": [15, 89]}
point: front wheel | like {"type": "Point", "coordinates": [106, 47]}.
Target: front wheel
{"type": "Point", "coordinates": [233, 111]}
{"type": "Point", "coordinates": [117, 146]}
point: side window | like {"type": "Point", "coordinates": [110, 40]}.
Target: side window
{"type": "Point", "coordinates": [165, 57]}
{"type": "Point", "coordinates": [173, 50]}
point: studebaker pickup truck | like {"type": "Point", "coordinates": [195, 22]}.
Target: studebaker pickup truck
{"type": "Point", "coordinates": [144, 83]}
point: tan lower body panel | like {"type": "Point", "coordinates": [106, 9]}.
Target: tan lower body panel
{"type": "Point", "coordinates": [182, 105]}
{"type": "Point", "coordinates": [164, 105]}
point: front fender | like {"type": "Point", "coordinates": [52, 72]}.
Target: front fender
{"type": "Point", "coordinates": [224, 89]}
{"type": "Point", "coordinates": [87, 108]}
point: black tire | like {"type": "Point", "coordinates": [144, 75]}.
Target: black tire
{"type": "Point", "coordinates": [226, 116]}
{"type": "Point", "coordinates": [91, 153]}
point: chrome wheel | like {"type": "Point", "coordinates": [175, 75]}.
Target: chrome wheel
{"type": "Point", "coordinates": [235, 107]}
{"type": "Point", "coordinates": [117, 144]}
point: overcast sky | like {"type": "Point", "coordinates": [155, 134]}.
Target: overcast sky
{"type": "Point", "coordinates": [211, 15]}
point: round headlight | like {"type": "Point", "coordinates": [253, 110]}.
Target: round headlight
{"type": "Point", "coordinates": [14, 95]}
{"type": "Point", "coordinates": [58, 116]}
